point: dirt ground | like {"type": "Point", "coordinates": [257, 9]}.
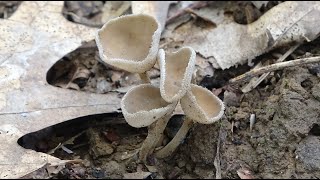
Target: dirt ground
{"type": "Point", "coordinates": [282, 142]}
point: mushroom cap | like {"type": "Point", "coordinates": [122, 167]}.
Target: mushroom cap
{"type": "Point", "coordinates": [130, 42]}
{"type": "Point", "coordinates": [142, 105]}
{"type": "Point", "coordinates": [201, 105]}
{"type": "Point", "coordinates": [176, 71]}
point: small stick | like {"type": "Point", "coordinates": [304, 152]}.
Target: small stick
{"type": "Point", "coordinates": [255, 82]}
{"type": "Point", "coordinates": [274, 67]}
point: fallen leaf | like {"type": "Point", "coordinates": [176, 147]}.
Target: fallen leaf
{"type": "Point", "coordinates": [33, 39]}
{"type": "Point", "coordinates": [231, 44]}
{"type": "Point", "coordinates": [46, 172]}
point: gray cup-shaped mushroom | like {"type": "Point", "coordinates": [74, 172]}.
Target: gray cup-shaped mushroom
{"type": "Point", "coordinates": [130, 42]}
{"type": "Point", "coordinates": [176, 71]}
{"type": "Point", "coordinates": [201, 105]}
{"type": "Point", "coordinates": [143, 105]}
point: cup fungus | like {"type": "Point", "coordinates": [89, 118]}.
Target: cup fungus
{"type": "Point", "coordinates": [130, 42]}
{"type": "Point", "coordinates": [200, 105]}
{"type": "Point", "coordinates": [142, 106]}
{"type": "Point", "coordinates": [176, 71]}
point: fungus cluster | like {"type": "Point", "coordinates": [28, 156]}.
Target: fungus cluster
{"type": "Point", "coordinates": [131, 43]}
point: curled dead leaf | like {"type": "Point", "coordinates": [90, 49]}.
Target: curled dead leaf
{"type": "Point", "coordinates": [34, 38]}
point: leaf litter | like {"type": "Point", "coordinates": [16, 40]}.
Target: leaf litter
{"type": "Point", "coordinates": [194, 159]}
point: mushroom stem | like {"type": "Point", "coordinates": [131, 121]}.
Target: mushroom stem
{"type": "Point", "coordinates": [178, 138]}
{"type": "Point", "coordinates": [155, 132]}
{"type": "Point", "coordinates": [144, 77]}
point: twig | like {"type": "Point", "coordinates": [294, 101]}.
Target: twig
{"type": "Point", "coordinates": [255, 82]}
{"type": "Point", "coordinates": [274, 67]}
{"type": "Point", "coordinates": [69, 141]}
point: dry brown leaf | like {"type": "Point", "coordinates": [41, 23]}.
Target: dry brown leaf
{"type": "Point", "coordinates": [230, 43]}
{"type": "Point", "coordinates": [34, 38]}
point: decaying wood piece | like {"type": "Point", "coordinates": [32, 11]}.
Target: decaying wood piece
{"type": "Point", "coordinates": [32, 40]}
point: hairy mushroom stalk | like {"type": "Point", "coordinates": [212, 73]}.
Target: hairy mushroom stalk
{"type": "Point", "coordinates": [130, 42]}
{"type": "Point", "coordinates": [143, 106]}
{"type": "Point", "coordinates": [200, 105]}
